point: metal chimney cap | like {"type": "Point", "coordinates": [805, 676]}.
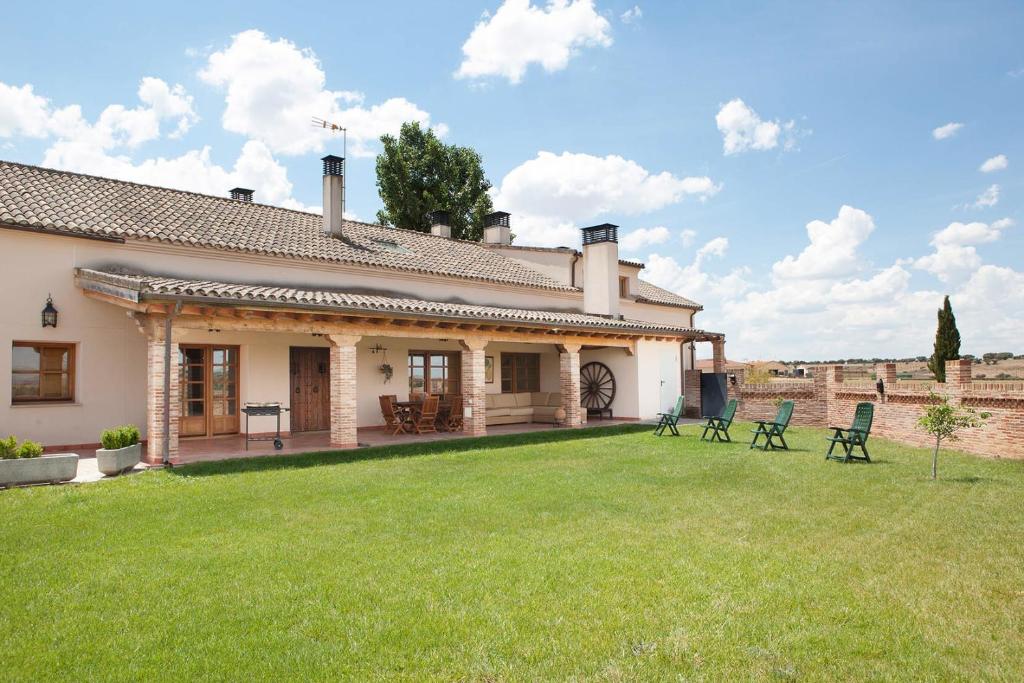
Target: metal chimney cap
{"type": "Point", "coordinates": [242, 194]}
{"type": "Point", "coordinates": [497, 218]}
{"type": "Point", "coordinates": [439, 218]}
{"type": "Point", "coordinates": [606, 232]}
{"type": "Point", "coordinates": [333, 165]}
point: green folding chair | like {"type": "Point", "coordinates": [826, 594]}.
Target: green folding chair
{"type": "Point", "coordinates": [854, 437]}
{"type": "Point", "coordinates": [719, 426]}
{"type": "Point", "coordinates": [670, 419]}
{"type": "Point", "coordinates": [773, 430]}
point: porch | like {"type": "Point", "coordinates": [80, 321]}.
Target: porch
{"type": "Point", "coordinates": [209, 354]}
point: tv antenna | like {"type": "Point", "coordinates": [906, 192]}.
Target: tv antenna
{"type": "Point", "coordinates": [327, 125]}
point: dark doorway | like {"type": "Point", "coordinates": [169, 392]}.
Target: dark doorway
{"type": "Point", "coordinates": [712, 392]}
{"type": "Point", "coordinates": [310, 389]}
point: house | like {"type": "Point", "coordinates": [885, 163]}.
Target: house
{"type": "Point", "coordinates": [174, 309]}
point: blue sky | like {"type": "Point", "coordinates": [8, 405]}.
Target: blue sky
{"type": "Point", "coordinates": [719, 136]}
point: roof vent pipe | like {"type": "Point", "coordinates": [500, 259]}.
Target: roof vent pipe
{"type": "Point", "coordinates": [497, 229]}
{"type": "Point", "coordinates": [334, 194]}
{"type": "Point", "coordinates": [242, 194]}
{"type": "Point", "coordinates": [440, 224]}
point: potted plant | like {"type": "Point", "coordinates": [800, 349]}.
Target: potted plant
{"type": "Point", "coordinates": [26, 464]}
{"type": "Point", "coordinates": [121, 450]}
{"type": "Point", "coordinates": [387, 371]}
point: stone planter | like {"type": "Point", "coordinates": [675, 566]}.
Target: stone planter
{"type": "Point", "coordinates": [117, 460]}
{"type": "Point", "coordinates": [46, 469]}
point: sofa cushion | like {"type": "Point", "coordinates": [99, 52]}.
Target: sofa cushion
{"type": "Point", "coordinates": [522, 400]}
{"type": "Point", "coordinates": [504, 400]}
{"type": "Point", "coordinates": [499, 412]}
{"type": "Point", "coordinates": [539, 398]}
{"type": "Point", "coordinates": [489, 401]}
{"type": "Point", "coordinates": [526, 411]}
{"type": "Point", "coordinates": [544, 410]}
{"type": "Point", "coordinates": [555, 399]}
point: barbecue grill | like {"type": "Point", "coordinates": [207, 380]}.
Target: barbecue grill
{"type": "Point", "coordinates": [263, 410]}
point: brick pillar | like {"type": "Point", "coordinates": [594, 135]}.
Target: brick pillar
{"type": "Point", "coordinates": [958, 372]}
{"type": "Point", "coordinates": [155, 350]}
{"type": "Point", "coordinates": [718, 356]}
{"type": "Point", "coordinates": [569, 384]}
{"type": "Point", "coordinates": [691, 390]}
{"type": "Point", "coordinates": [343, 390]}
{"type": "Point", "coordinates": [887, 373]}
{"type": "Point", "coordinates": [474, 391]}
{"type": "Point", "coordinates": [833, 383]}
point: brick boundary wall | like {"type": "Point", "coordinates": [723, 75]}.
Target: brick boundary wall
{"type": "Point", "coordinates": [829, 400]}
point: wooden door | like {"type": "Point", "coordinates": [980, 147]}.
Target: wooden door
{"type": "Point", "coordinates": [310, 389]}
{"type": "Point", "coordinates": [209, 390]}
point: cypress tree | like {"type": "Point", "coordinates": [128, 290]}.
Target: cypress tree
{"type": "Point", "coordinates": [947, 342]}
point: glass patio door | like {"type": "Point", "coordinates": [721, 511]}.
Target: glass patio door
{"type": "Point", "coordinates": [209, 390]}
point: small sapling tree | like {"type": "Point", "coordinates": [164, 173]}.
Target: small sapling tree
{"type": "Point", "coordinates": [944, 421]}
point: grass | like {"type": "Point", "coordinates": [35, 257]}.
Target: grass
{"type": "Point", "coordinates": [599, 555]}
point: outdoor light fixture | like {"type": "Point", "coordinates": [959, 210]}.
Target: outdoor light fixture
{"type": "Point", "coordinates": [880, 386]}
{"type": "Point", "coordinates": [732, 380]}
{"type": "Point", "coordinates": [49, 313]}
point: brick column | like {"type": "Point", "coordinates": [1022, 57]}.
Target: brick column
{"type": "Point", "coordinates": [155, 398]}
{"type": "Point", "coordinates": [691, 391]}
{"type": "Point", "coordinates": [958, 372]}
{"type": "Point", "coordinates": [718, 356]}
{"type": "Point", "coordinates": [887, 373]}
{"type": "Point", "coordinates": [569, 384]}
{"type": "Point", "coordinates": [833, 383]}
{"type": "Point", "coordinates": [343, 390]}
{"type": "Point", "coordinates": [474, 391]}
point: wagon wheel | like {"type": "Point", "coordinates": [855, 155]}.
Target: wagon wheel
{"type": "Point", "coordinates": [597, 386]}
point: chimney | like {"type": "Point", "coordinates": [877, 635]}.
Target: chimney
{"type": "Point", "coordinates": [496, 228]}
{"type": "Point", "coordinates": [334, 194]}
{"type": "Point", "coordinates": [440, 225]}
{"type": "Point", "coordinates": [601, 270]}
{"type": "Point", "coordinates": [242, 194]}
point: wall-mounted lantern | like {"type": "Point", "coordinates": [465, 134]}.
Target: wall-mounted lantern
{"type": "Point", "coordinates": [49, 313]}
{"type": "Point", "coordinates": [880, 387]}
{"type": "Point", "coordinates": [732, 380]}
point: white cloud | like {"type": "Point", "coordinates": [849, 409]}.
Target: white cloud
{"type": "Point", "coordinates": [274, 89]}
{"type": "Point", "coordinates": [692, 281]}
{"type": "Point", "coordinates": [636, 240]}
{"type": "Point", "coordinates": [954, 255]}
{"type": "Point", "coordinates": [996, 163]}
{"type": "Point", "coordinates": [946, 131]}
{"type": "Point", "coordinates": [687, 237]}
{"type": "Point", "coordinates": [518, 34]}
{"type": "Point", "coordinates": [631, 15]}
{"type": "Point", "coordinates": [988, 198]}
{"type": "Point", "coordinates": [743, 130]}
{"type": "Point", "coordinates": [832, 252]}
{"type": "Point", "coordinates": [22, 112]}
{"type": "Point", "coordinates": [549, 194]}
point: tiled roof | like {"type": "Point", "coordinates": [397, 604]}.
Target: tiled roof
{"type": "Point", "coordinates": [652, 294]}
{"type": "Point", "coordinates": [58, 201]}
{"type": "Point", "coordinates": [157, 287]}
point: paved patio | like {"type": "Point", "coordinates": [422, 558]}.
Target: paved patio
{"type": "Point", "coordinates": [233, 446]}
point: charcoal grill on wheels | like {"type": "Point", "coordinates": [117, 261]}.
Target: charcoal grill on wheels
{"type": "Point", "coordinates": [597, 389]}
{"type": "Point", "coordinates": [263, 410]}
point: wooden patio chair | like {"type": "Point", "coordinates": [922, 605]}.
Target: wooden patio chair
{"type": "Point", "coordinates": [397, 422]}
{"type": "Point", "coordinates": [774, 429]}
{"type": "Point", "coordinates": [854, 437]}
{"type": "Point", "coordinates": [670, 419]}
{"type": "Point", "coordinates": [423, 421]}
{"type": "Point", "coordinates": [453, 420]}
{"type": "Point", "coordinates": [719, 425]}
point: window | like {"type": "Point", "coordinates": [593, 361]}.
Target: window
{"type": "Point", "coordinates": [623, 287]}
{"type": "Point", "coordinates": [520, 372]}
{"type": "Point", "coordinates": [42, 371]}
{"type": "Point", "coordinates": [434, 372]}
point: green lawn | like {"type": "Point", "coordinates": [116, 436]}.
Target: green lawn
{"type": "Point", "coordinates": [599, 555]}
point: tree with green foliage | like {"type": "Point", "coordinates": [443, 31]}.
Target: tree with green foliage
{"type": "Point", "coordinates": [417, 174]}
{"type": "Point", "coordinates": [943, 421]}
{"type": "Point", "coordinates": [947, 342]}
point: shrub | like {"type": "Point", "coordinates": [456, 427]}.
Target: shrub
{"type": "Point", "coordinates": [119, 437]}
{"type": "Point", "coordinates": [30, 449]}
{"type": "Point", "coordinates": [8, 448]}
